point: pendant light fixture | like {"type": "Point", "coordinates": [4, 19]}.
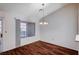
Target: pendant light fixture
{"type": "Point", "coordinates": [43, 21]}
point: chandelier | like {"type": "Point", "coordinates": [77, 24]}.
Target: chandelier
{"type": "Point", "coordinates": [43, 21]}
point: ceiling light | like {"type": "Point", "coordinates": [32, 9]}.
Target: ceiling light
{"type": "Point", "coordinates": [43, 22]}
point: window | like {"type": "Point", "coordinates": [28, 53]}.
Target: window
{"type": "Point", "coordinates": [0, 26]}
{"type": "Point", "coordinates": [30, 29]}
{"type": "Point", "coordinates": [23, 29]}
{"type": "Point", "coordinates": [27, 29]}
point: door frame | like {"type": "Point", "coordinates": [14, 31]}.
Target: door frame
{"type": "Point", "coordinates": [1, 40]}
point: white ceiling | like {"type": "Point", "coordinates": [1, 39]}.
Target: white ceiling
{"type": "Point", "coordinates": [30, 10]}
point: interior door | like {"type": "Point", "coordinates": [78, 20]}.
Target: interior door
{"type": "Point", "coordinates": [1, 34]}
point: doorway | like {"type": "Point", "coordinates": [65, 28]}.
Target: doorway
{"type": "Point", "coordinates": [1, 34]}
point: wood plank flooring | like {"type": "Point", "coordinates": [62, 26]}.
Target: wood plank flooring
{"type": "Point", "coordinates": [40, 48]}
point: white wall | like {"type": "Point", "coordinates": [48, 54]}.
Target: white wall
{"type": "Point", "coordinates": [26, 12]}
{"type": "Point", "coordinates": [62, 27]}
{"type": "Point", "coordinates": [78, 30]}
{"type": "Point", "coordinates": [8, 32]}
{"type": "Point", "coordinates": [55, 32]}
{"type": "Point", "coordinates": [9, 40]}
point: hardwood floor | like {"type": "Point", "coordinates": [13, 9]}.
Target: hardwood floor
{"type": "Point", "coordinates": [40, 48]}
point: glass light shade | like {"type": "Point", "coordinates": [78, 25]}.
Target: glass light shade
{"type": "Point", "coordinates": [43, 23]}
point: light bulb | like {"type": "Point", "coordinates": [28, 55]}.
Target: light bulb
{"type": "Point", "coordinates": [41, 23]}
{"type": "Point", "coordinates": [45, 23]}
